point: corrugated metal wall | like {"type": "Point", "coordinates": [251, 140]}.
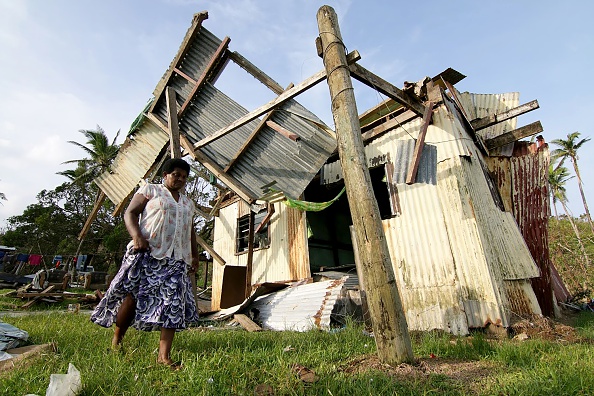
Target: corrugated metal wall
{"type": "Point", "coordinates": [285, 259]}
{"type": "Point", "coordinates": [458, 258]}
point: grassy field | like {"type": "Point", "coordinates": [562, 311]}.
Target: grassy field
{"type": "Point", "coordinates": [230, 361]}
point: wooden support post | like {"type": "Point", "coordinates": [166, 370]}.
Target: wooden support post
{"type": "Point", "coordinates": [389, 322]}
{"type": "Point", "coordinates": [174, 143]}
{"type": "Point", "coordinates": [91, 218]}
{"type": "Point", "coordinates": [250, 256]}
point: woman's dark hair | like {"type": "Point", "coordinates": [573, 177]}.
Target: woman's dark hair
{"type": "Point", "coordinates": [173, 163]}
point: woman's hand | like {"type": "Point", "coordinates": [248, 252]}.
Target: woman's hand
{"type": "Point", "coordinates": [194, 267]}
{"type": "Point", "coordinates": [140, 244]}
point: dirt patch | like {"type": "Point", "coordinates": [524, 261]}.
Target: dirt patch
{"type": "Point", "coordinates": [544, 328]}
{"type": "Point", "coordinates": [469, 374]}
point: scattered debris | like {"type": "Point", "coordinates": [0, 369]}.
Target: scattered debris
{"type": "Point", "coordinates": [544, 328]}
{"type": "Point", "coordinates": [246, 323]}
{"type": "Point", "coordinates": [20, 354]}
{"type": "Point", "coordinates": [263, 390]}
{"type": "Point", "coordinates": [69, 384]}
{"type": "Point", "coordinates": [306, 375]}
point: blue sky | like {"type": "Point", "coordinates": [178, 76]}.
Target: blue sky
{"type": "Point", "coordinates": [67, 65]}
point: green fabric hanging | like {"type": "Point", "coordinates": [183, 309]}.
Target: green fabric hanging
{"type": "Point", "coordinates": [311, 206]}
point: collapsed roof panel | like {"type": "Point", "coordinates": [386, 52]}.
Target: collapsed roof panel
{"type": "Point", "coordinates": [133, 162]}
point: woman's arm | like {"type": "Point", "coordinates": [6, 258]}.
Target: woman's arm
{"type": "Point", "coordinates": [131, 219]}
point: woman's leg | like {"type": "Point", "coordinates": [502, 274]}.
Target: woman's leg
{"type": "Point", "coordinates": [165, 346]}
{"type": "Point", "coordinates": [124, 319]}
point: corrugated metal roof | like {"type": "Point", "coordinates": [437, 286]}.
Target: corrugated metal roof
{"type": "Point", "coordinates": [270, 157]}
{"type": "Point", "coordinates": [299, 308]}
{"type": "Point", "coordinates": [133, 161]}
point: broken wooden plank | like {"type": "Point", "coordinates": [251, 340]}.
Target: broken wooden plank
{"type": "Point", "coordinates": [210, 250]}
{"type": "Point", "coordinates": [22, 353]}
{"type": "Point", "coordinates": [368, 78]}
{"type": "Point", "coordinates": [420, 143]}
{"type": "Point", "coordinates": [512, 136]}
{"type": "Point", "coordinates": [92, 215]}
{"type": "Point", "coordinates": [246, 323]}
{"type": "Point", "coordinates": [185, 143]}
{"type": "Point", "coordinates": [283, 131]}
{"type": "Point", "coordinates": [174, 145]}
{"type": "Point", "coordinates": [257, 73]}
{"type": "Point", "coordinates": [35, 299]}
{"type": "Point", "coordinates": [389, 125]}
{"type": "Point", "coordinates": [202, 79]}
{"type": "Point", "coordinates": [185, 46]}
{"type": "Point", "coordinates": [485, 122]}
{"type": "Point", "coordinates": [282, 98]}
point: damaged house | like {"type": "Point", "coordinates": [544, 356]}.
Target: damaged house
{"type": "Point", "coordinates": [463, 203]}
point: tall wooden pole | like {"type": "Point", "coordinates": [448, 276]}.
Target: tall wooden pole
{"type": "Point", "coordinates": [389, 323]}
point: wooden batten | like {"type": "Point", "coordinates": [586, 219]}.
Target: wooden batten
{"type": "Point", "coordinates": [395, 122]}
{"type": "Point", "coordinates": [485, 122]}
{"type": "Point", "coordinates": [184, 75]}
{"type": "Point", "coordinates": [283, 131]}
{"type": "Point", "coordinates": [92, 215]}
{"type": "Point", "coordinates": [512, 136]}
{"type": "Point", "coordinates": [254, 71]}
{"type": "Point", "coordinates": [216, 257]}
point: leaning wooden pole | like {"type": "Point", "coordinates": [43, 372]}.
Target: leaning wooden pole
{"type": "Point", "coordinates": [385, 307]}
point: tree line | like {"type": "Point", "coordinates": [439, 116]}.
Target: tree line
{"type": "Point", "coordinates": [51, 225]}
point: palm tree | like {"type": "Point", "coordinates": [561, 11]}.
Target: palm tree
{"type": "Point", "coordinates": [558, 176]}
{"type": "Point", "coordinates": [101, 154]}
{"type": "Point", "coordinates": [568, 149]}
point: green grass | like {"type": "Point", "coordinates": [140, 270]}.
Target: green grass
{"type": "Point", "coordinates": [233, 362]}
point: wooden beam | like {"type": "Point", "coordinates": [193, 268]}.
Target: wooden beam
{"type": "Point", "coordinates": [221, 175]}
{"type": "Point", "coordinates": [248, 141]}
{"type": "Point", "coordinates": [283, 131]}
{"type": "Point", "coordinates": [210, 250]}
{"type": "Point", "coordinates": [35, 299]}
{"type": "Point", "coordinates": [172, 121]}
{"type": "Point", "coordinates": [282, 98]}
{"type": "Point", "coordinates": [512, 136]}
{"type": "Point", "coordinates": [92, 215]}
{"type": "Point", "coordinates": [185, 143]}
{"type": "Point", "coordinates": [420, 143]}
{"type": "Point", "coordinates": [485, 122]}
{"type": "Point", "coordinates": [250, 138]}
{"type": "Point", "coordinates": [389, 125]}
{"type": "Point", "coordinates": [257, 73]}
{"type": "Point", "coordinates": [368, 78]}
{"type": "Point", "coordinates": [202, 79]}
{"type": "Point", "coordinates": [266, 219]}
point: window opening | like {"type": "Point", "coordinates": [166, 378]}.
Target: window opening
{"type": "Point", "coordinates": [261, 238]}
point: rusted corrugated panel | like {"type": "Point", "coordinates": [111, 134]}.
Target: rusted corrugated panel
{"type": "Point", "coordinates": [500, 170]}
{"type": "Point", "coordinates": [531, 207]}
{"type": "Point", "coordinates": [521, 300]}
{"type": "Point", "coordinates": [136, 156]}
{"type": "Point", "coordinates": [270, 264]}
{"type": "Point", "coordinates": [483, 105]}
{"type": "Point", "coordinates": [299, 308]}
